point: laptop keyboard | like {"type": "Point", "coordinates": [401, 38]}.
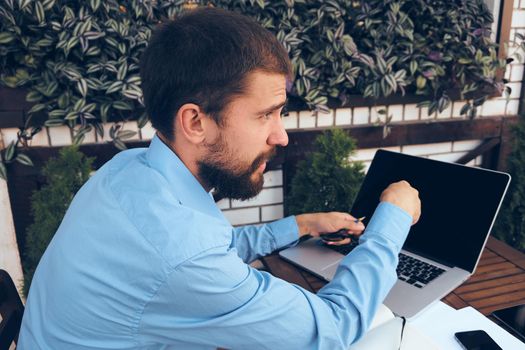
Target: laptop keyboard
{"type": "Point", "coordinates": [416, 272]}
{"type": "Point", "coordinates": [410, 270]}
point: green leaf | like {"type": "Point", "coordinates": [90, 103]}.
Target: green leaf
{"type": "Point", "coordinates": [123, 106]}
{"type": "Point", "coordinates": [40, 12]}
{"type": "Point", "coordinates": [23, 3]}
{"type": "Point", "coordinates": [94, 4]}
{"type": "Point", "coordinates": [142, 121]}
{"type": "Point", "coordinates": [432, 107]}
{"type": "Point", "coordinates": [421, 82]}
{"type": "Point", "coordinates": [122, 70]}
{"type": "Point", "coordinates": [78, 138]}
{"type": "Point", "coordinates": [126, 134]}
{"type": "Point", "coordinates": [81, 102]}
{"type": "Point", "coordinates": [99, 130]}
{"type": "Point", "coordinates": [82, 87]}
{"type": "Point", "coordinates": [9, 151]}
{"type": "Point", "coordinates": [465, 108]}
{"type": "Point", "coordinates": [391, 81]}
{"type": "Point", "coordinates": [381, 64]}
{"type": "Point", "coordinates": [114, 87]}
{"type": "Point", "coordinates": [132, 94]}
{"type": "Point", "coordinates": [479, 101]}
{"type": "Point", "coordinates": [24, 159]}
{"type": "Point", "coordinates": [330, 35]}
{"type": "Point", "coordinates": [119, 144]}
{"type": "Point", "coordinates": [57, 113]}
{"type": "Point", "coordinates": [104, 112]}
{"type": "Point", "coordinates": [3, 172]}
{"type": "Point", "coordinates": [400, 75]}
{"type": "Point", "coordinates": [33, 96]}
{"type": "Point", "coordinates": [53, 122]}
{"type": "Point", "coordinates": [48, 4]}
{"type": "Point", "coordinates": [36, 108]}
{"type": "Point", "coordinates": [6, 37]}
{"type": "Point", "coordinates": [72, 116]}
{"type": "Point", "coordinates": [134, 79]}
{"type": "Point", "coordinates": [413, 67]}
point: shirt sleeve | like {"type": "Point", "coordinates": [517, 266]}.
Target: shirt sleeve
{"type": "Point", "coordinates": [254, 241]}
{"type": "Point", "coordinates": [215, 299]}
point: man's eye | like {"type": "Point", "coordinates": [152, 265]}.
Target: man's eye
{"type": "Point", "coordinates": [267, 115]}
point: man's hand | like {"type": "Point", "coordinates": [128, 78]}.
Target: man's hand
{"type": "Point", "coordinates": [316, 223]}
{"type": "Point", "coordinates": [404, 196]}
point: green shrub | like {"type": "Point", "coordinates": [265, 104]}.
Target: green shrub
{"type": "Point", "coordinates": [510, 224]}
{"type": "Point", "coordinates": [326, 180]}
{"type": "Point", "coordinates": [65, 175]}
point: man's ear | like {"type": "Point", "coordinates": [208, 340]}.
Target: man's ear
{"type": "Point", "coordinates": [191, 123]}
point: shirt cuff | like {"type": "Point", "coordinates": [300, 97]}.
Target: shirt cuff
{"type": "Point", "coordinates": [390, 221]}
{"type": "Point", "coordinates": [284, 232]}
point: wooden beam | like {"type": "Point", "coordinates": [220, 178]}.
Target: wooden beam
{"type": "Point", "coordinates": [504, 26]}
{"type": "Point", "coordinates": [504, 32]}
{"type": "Point", "coordinates": [404, 134]}
{"type": "Point", "coordinates": [484, 147]}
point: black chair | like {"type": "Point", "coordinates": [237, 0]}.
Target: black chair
{"type": "Point", "coordinates": [11, 310]}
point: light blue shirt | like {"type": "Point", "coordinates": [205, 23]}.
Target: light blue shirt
{"type": "Point", "coordinates": [144, 259]}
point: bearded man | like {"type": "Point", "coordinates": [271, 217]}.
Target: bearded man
{"type": "Point", "coordinates": [144, 259]}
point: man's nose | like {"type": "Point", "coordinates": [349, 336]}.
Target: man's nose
{"type": "Point", "coordinates": [278, 136]}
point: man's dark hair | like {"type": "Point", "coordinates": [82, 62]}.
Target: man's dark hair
{"type": "Point", "coordinates": [204, 57]}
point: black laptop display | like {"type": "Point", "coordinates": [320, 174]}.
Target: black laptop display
{"type": "Point", "coordinates": [451, 227]}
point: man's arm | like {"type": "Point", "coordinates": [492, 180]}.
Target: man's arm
{"type": "Point", "coordinates": [216, 300]}
{"type": "Point", "coordinates": [254, 241]}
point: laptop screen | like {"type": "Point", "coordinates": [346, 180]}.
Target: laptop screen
{"type": "Point", "coordinates": [458, 204]}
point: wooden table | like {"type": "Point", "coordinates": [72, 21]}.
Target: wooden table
{"type": "Point", "coordinates": [499, 281]}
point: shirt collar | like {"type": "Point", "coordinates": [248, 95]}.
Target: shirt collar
{"type": "Point", "coordinates": [182, 182]}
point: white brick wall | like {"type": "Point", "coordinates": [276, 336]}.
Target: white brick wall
{"type": "Point", "coordinates": [306, 120]}
{"type": "Point", "coordinates": [325, 119]}
{"type": "Point", "coordinates": [147, 132]}
{"type": "Point", "coordinates": [60, 135]}
{"type": "Point", "coordinates": [9, 256]}
{"type": "Point", "coordinates": [396, 112]}
{"type": "Point", "coordinates": [243, 216]}
{"type": "Point", "coordinates": [267, 206]}
{"type": "Point", "coordinates": [343, 116]}
{"type": "Point", "coordinates": [361, 115]}
{"type": "Point", "coordinates": [411, 112]}
{"type": "Point", "coordinates": [272, 212]}
{"type": "Point", "coordinates": [291, 120]}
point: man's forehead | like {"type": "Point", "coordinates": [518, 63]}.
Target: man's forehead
{"type": "Point", "coordinates": [266, 83]}
{"type": "Point", "coordinates": [263, 92]}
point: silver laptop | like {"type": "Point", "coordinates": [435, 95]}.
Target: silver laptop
{"type": "Point", "coordinates": [459, 207]}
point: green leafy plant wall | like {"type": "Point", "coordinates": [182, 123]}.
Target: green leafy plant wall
{"type": "Point", "coordinates": [326, 180]}
{"type": "Point", "coordinates": [79, 59]}
{"type": "Point", "coordinates": [64, 177]}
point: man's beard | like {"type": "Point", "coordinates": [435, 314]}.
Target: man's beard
{"type": "Point", "coordinates": [229, 179]}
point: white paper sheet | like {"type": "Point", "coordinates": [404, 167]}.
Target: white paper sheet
{"type": "Point", "coordinates": [440, 321]}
